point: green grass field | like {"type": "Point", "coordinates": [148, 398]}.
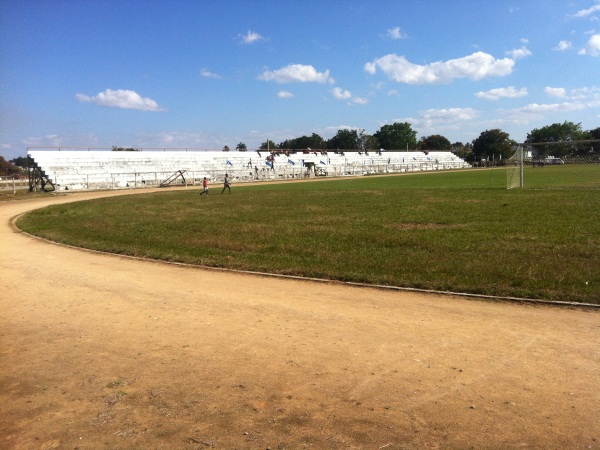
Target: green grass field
{"type": "Point", "coordinates": [453, 231]}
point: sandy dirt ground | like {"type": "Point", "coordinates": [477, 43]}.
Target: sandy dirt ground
{"type": "Point", "coordinates": [101, 351]}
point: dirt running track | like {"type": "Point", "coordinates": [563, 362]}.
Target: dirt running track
{"type": "Point", "coordinates": [101, 351]}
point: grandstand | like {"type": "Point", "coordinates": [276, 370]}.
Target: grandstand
{"type": "Point", "coordinates": [101, 169]}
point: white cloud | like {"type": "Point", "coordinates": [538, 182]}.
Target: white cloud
{"type": "Point", "coordinates": [121, 98]}
{"type": "Point", "coordinates": [555, 92]}
{"type": "Point", "coordinates": [250, 37]}
{"type": "Point", "coordinates": [341, 127]}
{"type": "Point", "coordinates": [476, 66]}
{"type": "Point", "coordinates": [589, 95]}
{"type": "Point", "coordinates": [535, 108]}
{"type": "Point", "coordinates": [50, 140]}
{"type": "Point", "coordinates": [436, 119]}
{"type": "Point", "coordinates": [563, 45]}
{"type": "Point", "coordinates": [536, 111]}
{"type": "Point", "coordinates": [177, 139]}
{"type": "Point", "coordinates": [297, 73]}
{"type": "Point", "coordinates": [208, 74]}
{"type": "Point", "coordinates": [450, 114]}
{"type": "Point", "coordinates": [56, 140]}
{"type": "Point", "coordinates": [284, 94]}
{"type": "Point", "coordinates": [395, 33]}
{"type": "Point", "coordinates": [341, 94]}
{"type": "Point", "coordinates": [495, 94]}
{"type": "Point", "coordinates": [593, 46]}
{"type": "Point", "coordinates": [587, 12]}
{"type": "Point", "coordinates": [519, 53]}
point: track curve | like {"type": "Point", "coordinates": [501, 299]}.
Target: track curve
{"type": "Point", "coordinates": [102, 350]}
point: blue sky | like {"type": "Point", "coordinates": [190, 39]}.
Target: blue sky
{"type": "Point", "coordinates": [206, 74]}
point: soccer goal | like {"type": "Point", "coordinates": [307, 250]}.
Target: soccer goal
{"type": "Point", "coordinates": [514, 169]}
{"type": "Point", "coordinates": [555, 165]}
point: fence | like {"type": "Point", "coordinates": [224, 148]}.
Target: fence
{"type": "Point", "coordinates": [11, 183]}
{"type": "Point", "coordinates": [149, 179]}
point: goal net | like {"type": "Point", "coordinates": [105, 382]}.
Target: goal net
{"type": "Point", "coordinates": [556, 165]}
{"type": "Point", "coordinates": [514, 169]}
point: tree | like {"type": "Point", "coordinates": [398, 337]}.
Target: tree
{"type": "Point", "coordinates": [241, 147]}
{"type": "Point", "coordinates": [368, 142]}
{"type": "Point", "coordinates": [595, 134]}
{"type": "Point", "coordinates": [463, 151]}
{"type": "Point", "coordinates": [20, 161]}
{"type": "Point", "coordinates": [397, 136]}
{"type": "Point", "coordinates": [226, 148]}
{"type": "Point", "coordinates": [344, 139]}
{"type": "Point", "coordinates": [317, 141]}
{"type": "Point", "coordinates": [492, 144]}
{"type": "Point", "coordinates": [268, 145]}
{"type": "Point", "coordinates": [434, 142]}
{"type": "Point", "coordinates": [314, 142]}
{"type": "Point", "coordinates": [7, 168]}
{"type": "Point", "coordinates": [288, 143]}
{"type": "Point", "coordinates": [565, 133]}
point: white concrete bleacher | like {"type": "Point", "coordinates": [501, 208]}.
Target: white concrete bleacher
{"type": "Point", "coordinates": [100, 169]}
{"type": "Point", "coordinates": [73, 169]}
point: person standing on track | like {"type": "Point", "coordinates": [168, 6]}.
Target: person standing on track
{"type": "Point", "coordinates": [226, 184]}
{"type": "Point", "coordinates": [204, 186]}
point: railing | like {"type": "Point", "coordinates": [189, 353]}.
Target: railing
{"type": "Point", "coordinates": [162, 149]}
{"type": "Point", "coordinates": [8, 183]}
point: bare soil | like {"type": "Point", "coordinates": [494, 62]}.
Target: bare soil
{"type": "Point", "coordinates": [102, 351]}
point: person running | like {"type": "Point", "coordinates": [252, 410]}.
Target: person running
{"type": "Point", "coordinates": [226, 184]}
{"type": "Point", "coordinates": [204, 186]}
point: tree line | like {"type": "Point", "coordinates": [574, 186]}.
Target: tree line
{"type": "Point", "coordinates": [490, 144]}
